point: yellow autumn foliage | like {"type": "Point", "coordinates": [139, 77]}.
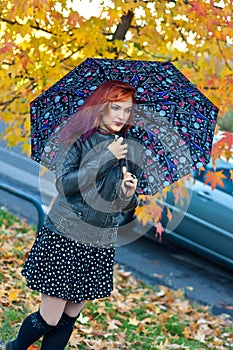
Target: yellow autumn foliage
{"type": "Point", "coordinates": [42, 40]}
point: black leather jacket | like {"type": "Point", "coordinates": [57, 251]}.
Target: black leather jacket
{"type": "Point", "coordinates": [89, 201]}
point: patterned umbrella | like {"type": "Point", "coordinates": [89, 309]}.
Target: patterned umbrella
{"type": "Point", "coordinates": [174, 121]}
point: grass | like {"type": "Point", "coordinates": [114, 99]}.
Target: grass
{"type": "Point", "coordinates": [136, 316]}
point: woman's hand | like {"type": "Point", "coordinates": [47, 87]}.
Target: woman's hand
{"type": "Point", "coordinates": [118, 148]}
{"type": "Point", "coordinates": [129, 183]}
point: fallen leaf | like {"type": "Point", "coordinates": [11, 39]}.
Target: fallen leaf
{"type": "Point", "coordinates": [83, 319]}
{"type": "Point", "coordinates": [114, 324]}
{"type": "Point", "coordinates": [97, 327]}
{"type": "Point", "coordinates": [33, 347]}
{"type": "Point", "coordinates": [133, 321]}
{"type": "Point", "coordinates": [85, 330]}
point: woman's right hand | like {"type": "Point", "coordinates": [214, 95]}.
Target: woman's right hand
{"type": "Point", "coordinates": [119, 148]}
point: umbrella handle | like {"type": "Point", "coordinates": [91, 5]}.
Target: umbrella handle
{"type": "Point", "coordinates": [124, 162]}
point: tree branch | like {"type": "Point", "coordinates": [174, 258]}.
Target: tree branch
{"type": "Point", "coordinates": [37, 27]}
{"type": "Point", "coordinates": [9, 21]}
{"type": "Point", "coordinates": [137, 29]}
{"type": "Point", "coordinates": [7, 103]}
{"type": "Point", "coordinates": [210, 88]}
{"type": "Point", "coordinates": [224, 57]}
{"type": "Point", "coordinates": [71, 54]}
{"type": "Point", "coordinates": [9, 63]}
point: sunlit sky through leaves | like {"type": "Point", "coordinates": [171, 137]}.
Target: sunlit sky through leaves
{"type": "Point", "coordinates": [86, 8]}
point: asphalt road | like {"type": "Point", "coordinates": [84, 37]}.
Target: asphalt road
{"type": "Point", "coordinates": [153, 262]}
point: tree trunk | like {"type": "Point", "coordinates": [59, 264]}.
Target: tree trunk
{"type": "Point", "coordinates": [123, 26]}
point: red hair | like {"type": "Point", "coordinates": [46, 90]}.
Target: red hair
{"type": "Point", "coordinates": [86, 120]}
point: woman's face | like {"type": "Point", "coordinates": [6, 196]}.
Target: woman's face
{"type": "Point", "coordinates": [117, 115]}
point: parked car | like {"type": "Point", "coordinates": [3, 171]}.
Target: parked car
{"type": "Point", "coordinates": [205, 226]}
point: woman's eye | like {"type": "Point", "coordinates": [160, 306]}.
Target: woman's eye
{"type": "Point", "coordinates": [115, 108]}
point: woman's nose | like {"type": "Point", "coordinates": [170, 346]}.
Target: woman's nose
{"type": "Point", "coordinates": [121, 114]}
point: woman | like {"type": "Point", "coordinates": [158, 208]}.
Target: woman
{"type": "Point", "coordinates": [72, 258]}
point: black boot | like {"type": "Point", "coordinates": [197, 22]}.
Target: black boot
{"type": "Point", "coordinates": [32, 329]}
{"type": "Point", "coordinates": [57, 338]}
{"type": "Point", "coordinates": [9, 345]}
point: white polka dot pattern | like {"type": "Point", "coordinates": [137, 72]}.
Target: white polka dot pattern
{"type": "Point", "coordinates": [61, 267]}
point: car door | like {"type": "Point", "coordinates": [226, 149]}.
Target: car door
{"type": "Point", "coordinates": [207, 223]}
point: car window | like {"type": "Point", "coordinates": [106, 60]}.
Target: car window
{"type": "Point", "coordinates": [228, 183]}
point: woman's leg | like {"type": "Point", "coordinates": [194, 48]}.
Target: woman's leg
{"type": "Point", "coordinates": [38, 323]}
{"type": "Point", "coordinates": [52, 308]}
{"type": "Point", "coordinates": [59, 336]}
{"type": "Point", "coordinates": [74, 309]}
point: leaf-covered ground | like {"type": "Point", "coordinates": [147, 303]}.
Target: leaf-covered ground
{"type": "Point", "coordinates": [136, 316]}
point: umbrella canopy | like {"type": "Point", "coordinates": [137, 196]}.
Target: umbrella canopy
{"type": "Point", "coordinates": [174, 121]}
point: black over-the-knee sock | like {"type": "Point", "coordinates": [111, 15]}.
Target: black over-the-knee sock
{"type": "Point", "coordinates": [57, 338]}
{"type": "Point", "coordinates": [32, 328]}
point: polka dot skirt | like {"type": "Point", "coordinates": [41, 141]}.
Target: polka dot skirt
{"type": "Point", "coordinates": [61, 267]}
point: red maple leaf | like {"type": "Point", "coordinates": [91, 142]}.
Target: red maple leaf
{"type": "Point", "coordinates": [198, 7]}
{"type": "Point", "coordinates": [223, 146]}
{"type": "Point", "coordinates": [227, 139]}
{"type": "Point", "coordinates": [75, 18]}
{"type": "Point", "coordinates": [159, 230]}
{"type": "Point", "coordinates": [7, 47]}
{"type": "Point", "coordinates": [25, 60]}
{"type": "Point", "coordinates": [215, 178]}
